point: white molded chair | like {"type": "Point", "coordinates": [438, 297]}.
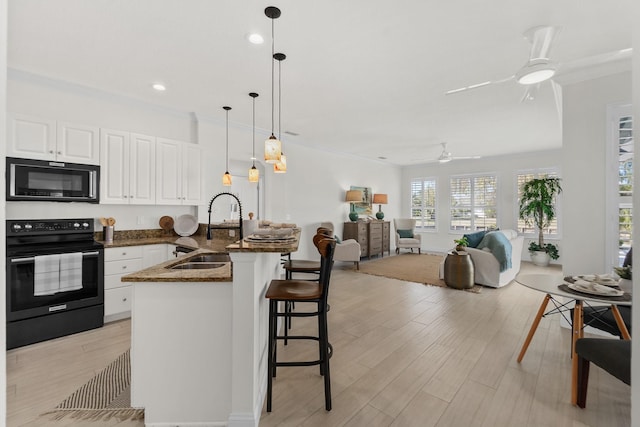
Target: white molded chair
{"type": "Point", "coordinates": [403, 241]}
{"type": "Point", "coordinates": [346, 250]}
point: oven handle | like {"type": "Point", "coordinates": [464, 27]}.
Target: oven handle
{"type": "Point", "coordinates": [32, 259]}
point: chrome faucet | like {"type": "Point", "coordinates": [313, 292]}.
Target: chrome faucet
{"type": "Point", "coordinates": [211, 203]}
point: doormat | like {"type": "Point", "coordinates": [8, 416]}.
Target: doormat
{"type": "Point", "coordinates": [105, 396]}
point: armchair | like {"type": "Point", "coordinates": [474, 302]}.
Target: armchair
{"type": "Point", "coordinates": [406, 237]}
{"type": "Point", "coordinates": [347, 250]}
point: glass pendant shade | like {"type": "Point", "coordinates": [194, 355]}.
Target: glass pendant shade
{"type": "Point", "coordinates": [272, 150]}
{"type": "Point", "coordinates": [254, 174]}
{"type": "Point", "coordinates": [281, 166]}
{"type": "Point", "coordinates": [226, 179]}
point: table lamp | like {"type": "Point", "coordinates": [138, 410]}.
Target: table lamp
{"type": "Point", "coordinates": [352, 197]}
{"type": "Point", "coordinates": [381, 199]}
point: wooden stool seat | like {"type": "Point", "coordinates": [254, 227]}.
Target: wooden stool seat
{"type": "Point", "coordinates": [294, 290]}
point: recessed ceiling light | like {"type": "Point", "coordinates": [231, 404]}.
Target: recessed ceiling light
{"type": "Point", "coordinates": [159, 87]}
{"type": "Point", "coordinates": [255, 38]}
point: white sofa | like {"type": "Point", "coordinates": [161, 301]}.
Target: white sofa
{"type": "Point", "coordinates": [487, 268]}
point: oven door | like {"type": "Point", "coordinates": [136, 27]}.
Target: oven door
{"type": "Point", "coordinates": [21, 301]}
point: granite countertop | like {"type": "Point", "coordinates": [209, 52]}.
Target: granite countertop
{"type": "Point", "coordinates": [163, 273]}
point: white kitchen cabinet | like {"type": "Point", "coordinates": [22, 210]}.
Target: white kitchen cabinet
{"type": "Point", "coordinates": [121, 261]}
{"type": "Point", "coordinates": [154, 255]}
{"type": "Point", "coordinates": [128, 174]}
{"type": "Point", "coordinates": [179, 173]}
{"type": "Point", "coordinates": [117, 294]}
{"type": "Point", "coordinates": [41, 139]}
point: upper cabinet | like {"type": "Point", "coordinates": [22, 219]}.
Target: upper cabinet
{"type": "Point", "coordinates": [179, 173]}
{"type": "Point", "coordinates": [41, 139]}
{"type": "Point", "coordinates": [127, 168]}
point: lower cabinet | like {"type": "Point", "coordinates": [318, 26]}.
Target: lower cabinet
{"type": "Point", "coordinates": [119, 262]}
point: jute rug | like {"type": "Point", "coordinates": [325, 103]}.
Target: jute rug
{"type": "Point", "coordinates": [410, 267]}
{"type": "Point", "coordinates": [105, 396]}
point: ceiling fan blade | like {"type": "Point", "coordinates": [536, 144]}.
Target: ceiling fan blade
{"type": "Point", "coordinates": [541, 38]}
{"type": "Point", "coordinates": [478, 85]}
{"type": "Point", "coordinates": [567, 67]}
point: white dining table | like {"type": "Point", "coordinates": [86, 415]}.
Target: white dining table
{"type": "Point", "coordinates": [548, 284]}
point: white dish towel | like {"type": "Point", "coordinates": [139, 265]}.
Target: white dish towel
{"type": "Point", "coordinates": [46, 280]}
{"type": "Point", "coordinates": [70, 272]}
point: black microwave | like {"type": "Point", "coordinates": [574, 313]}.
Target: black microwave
{"type": "Point", "coordinates": [41, 180]}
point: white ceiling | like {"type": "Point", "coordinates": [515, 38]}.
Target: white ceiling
{"type": "Point", "coordinates": [362, 77]}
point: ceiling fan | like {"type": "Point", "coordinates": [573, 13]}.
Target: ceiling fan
{"type": "Point", "coordinates": [538, 68]}
{"type": "Point", "coordinates": [446, 156]}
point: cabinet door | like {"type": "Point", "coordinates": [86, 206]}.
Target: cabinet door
{"type": "Point", "coordinates": [168, 172]}
{"type": "Point", "coordinates": [31, 137]}
{"type": "Point", "coordinates": [153, 255]}
{"type": "Point", "coordinates": [142, 170]}
{"type": "Point", "coordinates": [77, 144]}
{"type": "Point", "coordinates": [114, 166]}
{"type": "Point", "coordinates": [191, 174]}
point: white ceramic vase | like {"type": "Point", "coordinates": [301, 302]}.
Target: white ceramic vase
{"type": "Point", "coordinates": [626, 285]}
{"type": "Point", "coordinates": [540, 258]}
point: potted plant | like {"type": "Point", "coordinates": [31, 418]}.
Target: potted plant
{"type": "Point", "coordinates": [461, 243]}
{"type": "Point", "coordinates": [537, 207]}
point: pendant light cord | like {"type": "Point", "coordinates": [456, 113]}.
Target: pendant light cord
{"type": "Point", "coordinates": [279, 98]}
{"type": "Point", "coordinates": [254, 131]}
{"type": "Point", "coordinates": [228, 140]}
{"type": "Point", "coordinates": [272, 71]}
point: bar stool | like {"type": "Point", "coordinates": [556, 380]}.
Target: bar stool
{"type": "Point", "coordinates": [291, 291]}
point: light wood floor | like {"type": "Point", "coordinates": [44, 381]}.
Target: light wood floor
{"type": "Point", "coordinates": [405, 354]}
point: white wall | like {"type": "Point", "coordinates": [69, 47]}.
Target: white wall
{"type": "Point", "coordinates": [584, 178]}
{"type": "Point", "coordinates": [504, 167]}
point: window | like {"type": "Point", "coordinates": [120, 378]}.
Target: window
{"type": "Point", "coordinates": [624, 136]}
{"type": "Point", "coordinates": [529, 229]}
{"type": "Point", "coordinates": [423, 202]}
{"type": "Point", "coordinates": [474, 202]}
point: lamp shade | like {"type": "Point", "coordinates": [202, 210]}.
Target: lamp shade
{"type": "Point", "coordinates": [380, 199]}
{"type": "Point", "coordinates": [353, 196]}
{"type": "Point", "coordinates": [254, 174]}
{"type": "Point", "coordinates": [226, 179]}
{"type": "Point", "coordinates": [281, 166]}
{"type": "Point", "coordinates": [272, 150]}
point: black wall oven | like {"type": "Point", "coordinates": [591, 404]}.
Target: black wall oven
{"type": "Point", "coordinates": [55, 279]}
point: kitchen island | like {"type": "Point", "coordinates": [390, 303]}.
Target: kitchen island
{"type": "Point", "coordinates": [199, 337]}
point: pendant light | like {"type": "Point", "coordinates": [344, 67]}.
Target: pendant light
{"type": "Point", "coordinates": [254, 173]}
{"type": "Point", "coordinates": [281, 165]}
{"type": "Point", "coordinates": [226, 178]}
{"type": "Point", "coordinates": [272, 146]}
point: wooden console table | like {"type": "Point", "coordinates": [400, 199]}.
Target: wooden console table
{"type": "Point", "coordinates": [373, 236]}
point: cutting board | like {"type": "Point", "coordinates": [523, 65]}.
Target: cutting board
{"type": "Point", "coordinates": [166, 223]}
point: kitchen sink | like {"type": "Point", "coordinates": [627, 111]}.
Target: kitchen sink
{"type": "Point", "coordinates": [209, 258]}
{"type": "Point", "coordinates": [198, 265]}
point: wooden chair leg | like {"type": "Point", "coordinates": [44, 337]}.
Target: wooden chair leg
{"type": "Point", "coordinates": [271, 368]}
{"type": "Point", "coordinates": [583, 381]}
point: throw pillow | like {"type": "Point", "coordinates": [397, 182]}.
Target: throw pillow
{"type": "Point", "coordinates": [338, 241]}
{"type": "Point", "coordinates": [405, 234]}
{"type": "Point", "coordinates": [474, 239]}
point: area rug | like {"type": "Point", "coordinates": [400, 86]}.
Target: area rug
{"type": "Point", "coordinates": [410, 267]}
{"type": "Point", "coordinates": [105, 396]}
